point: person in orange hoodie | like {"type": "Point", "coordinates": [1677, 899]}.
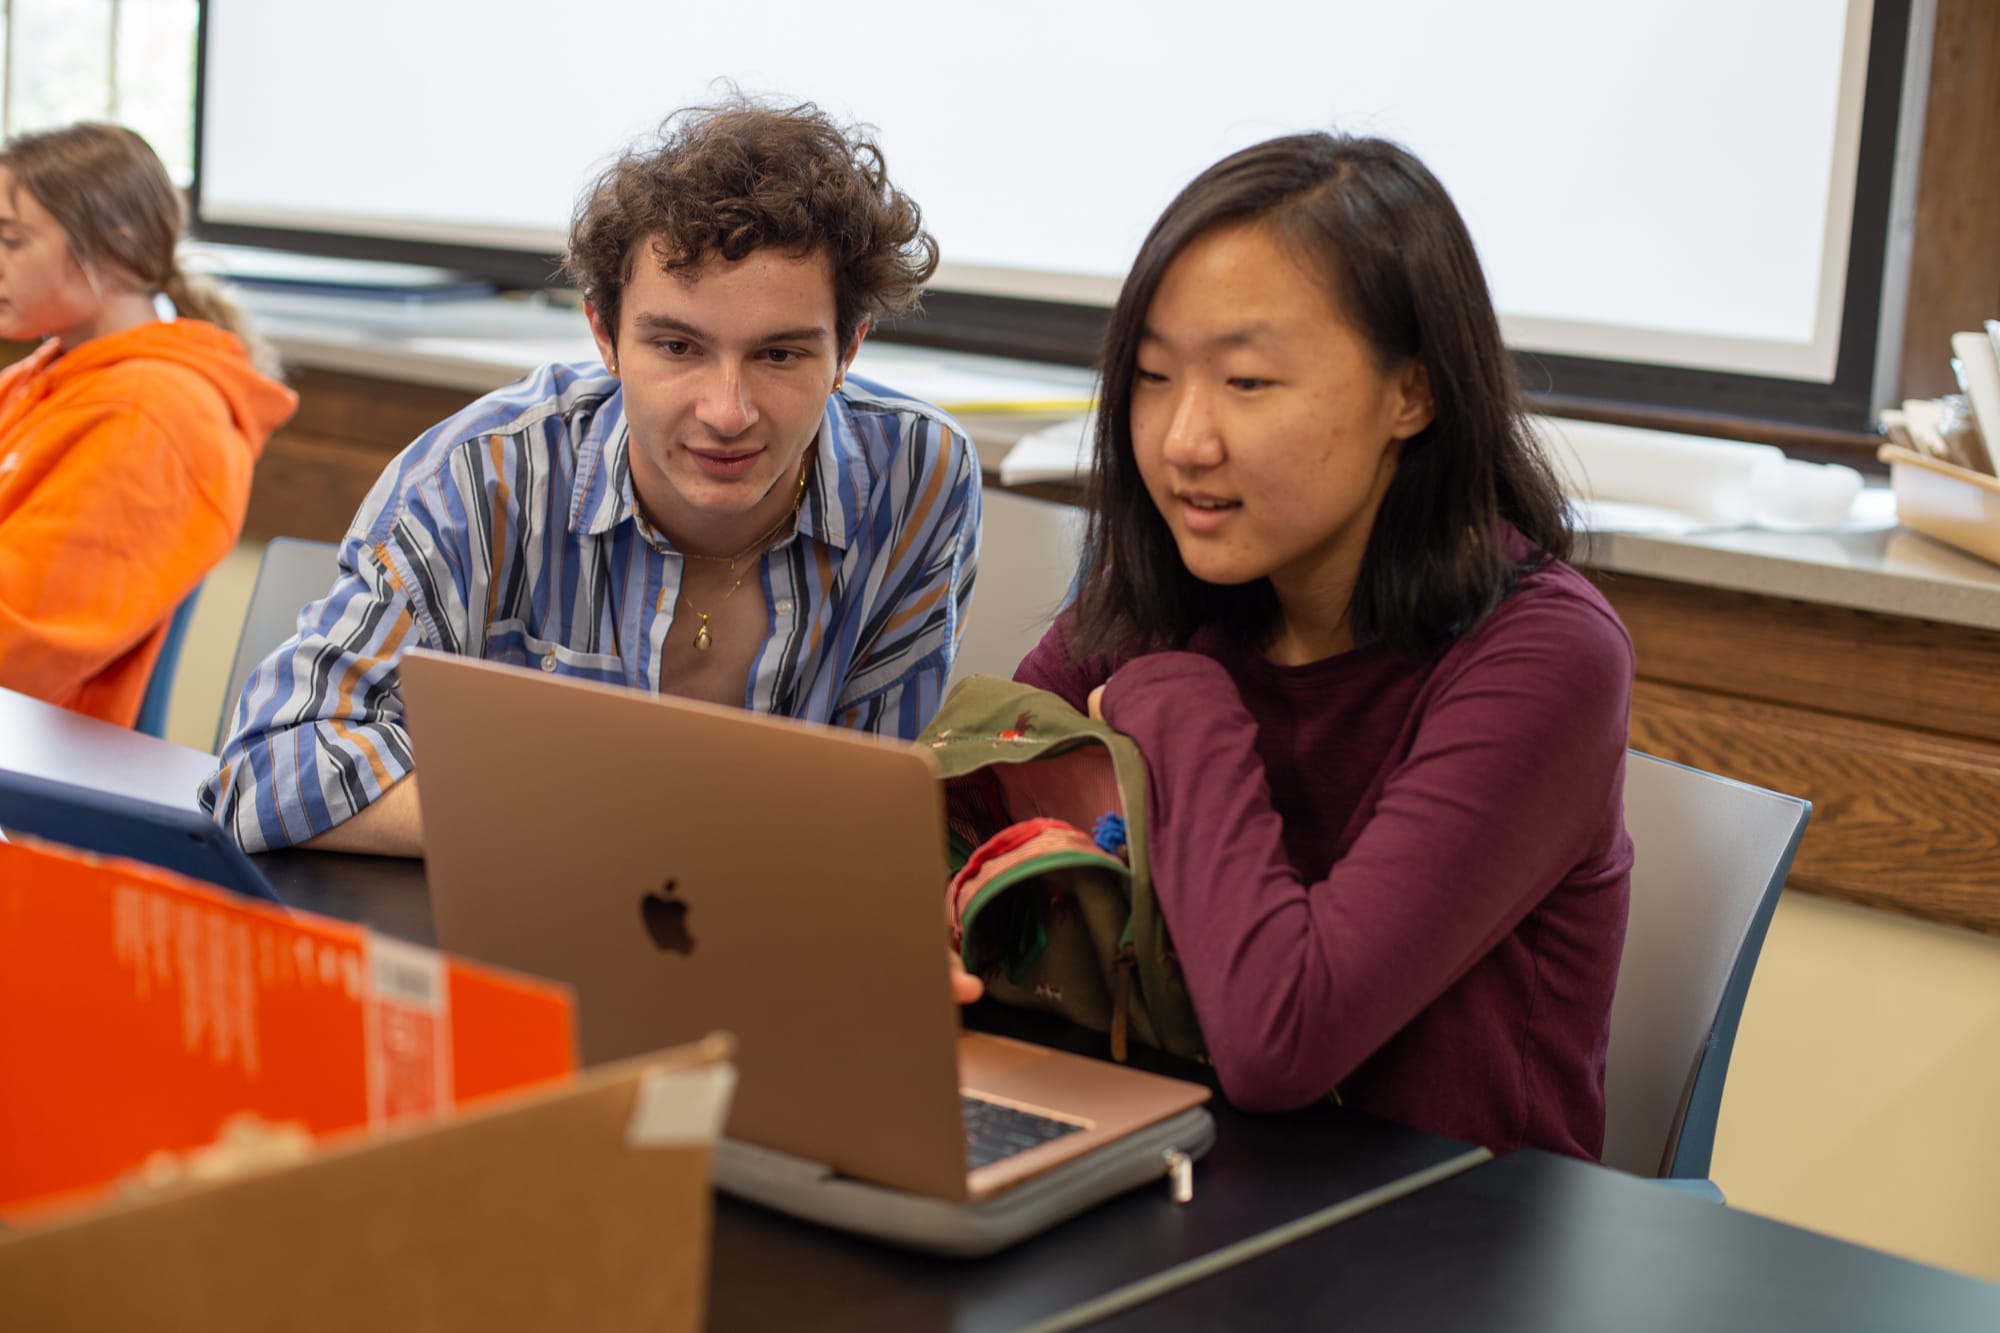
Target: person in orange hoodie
{"type": "Point", "coordinates": [127, 440]}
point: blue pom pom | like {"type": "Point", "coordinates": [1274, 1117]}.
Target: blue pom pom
{"type": "Point", "coordinates": [1109, 834]}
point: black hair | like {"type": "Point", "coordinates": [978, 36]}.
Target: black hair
{"type": "Point", "coordinates": [1398, 263]}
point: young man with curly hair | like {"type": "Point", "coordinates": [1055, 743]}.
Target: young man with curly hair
{"type": "Point", "coordinates": [713, 511]}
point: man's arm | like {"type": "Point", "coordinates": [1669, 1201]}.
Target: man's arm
{"type": "Point", "coordinates": [318, 736]}
{"type": "Point", "coordinates": [393, 825]}
{"type": "Point", "coordinates": [935, 560]}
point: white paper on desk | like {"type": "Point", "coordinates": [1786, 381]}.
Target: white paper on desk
{"type": "Point", "coordinates": [1061, 452]}
{"type": "Point", "coordinates": [1978, 367]}
{"type": "Point", "coordinates": [960, 383]}
{"type": "Point", "coordinates": [1708, 479]}
{"type": "Point", "coordinates": [524, 354]}
{"type": "Point", "coordinates": [253, 263]}
{"type": "Point", "coordinates": [1649, 520]}
{"type": "Point", "coordinates": [1874, 510]}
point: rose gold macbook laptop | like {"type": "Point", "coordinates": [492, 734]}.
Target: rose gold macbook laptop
{"type": "Point", "coordinates": [688, 867]}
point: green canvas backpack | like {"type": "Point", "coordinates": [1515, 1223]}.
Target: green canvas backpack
{"type": "Point", "coordinates": [1051, 899]}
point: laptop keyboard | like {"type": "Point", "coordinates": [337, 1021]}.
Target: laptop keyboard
{"type": "Point", "coordinates": [994, 1132]}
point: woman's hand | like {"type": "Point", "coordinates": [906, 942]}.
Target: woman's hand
{"type": "Point", "coordinates": [965, 988]}
{"type": "Point", "coordinates": [1096, 704]}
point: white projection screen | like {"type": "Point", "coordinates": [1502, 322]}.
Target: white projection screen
{"type": "Point", "coordinates": [1670, 183]}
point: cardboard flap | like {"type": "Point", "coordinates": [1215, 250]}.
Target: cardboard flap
{"type": "Point", "coordinates": [535, 1211]}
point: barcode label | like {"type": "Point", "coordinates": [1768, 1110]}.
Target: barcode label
{"type": "Point", "coordinates": [405, 974]}
{"type": "Point", "coordinates": [409, 1033]}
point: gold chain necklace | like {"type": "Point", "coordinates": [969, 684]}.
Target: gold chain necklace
{"type": "Point", "coordinates": [703, 640]}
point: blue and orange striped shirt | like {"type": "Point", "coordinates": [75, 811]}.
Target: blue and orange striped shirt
{"type": "Point", "coordinates": [510, 532]}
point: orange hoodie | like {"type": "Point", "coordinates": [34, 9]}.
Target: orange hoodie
{"type": "Point", "coordinates": [124, 475]}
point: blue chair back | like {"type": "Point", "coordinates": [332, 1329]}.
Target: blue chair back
{"type": "Point", "coordinates": [1711, 855]}
{"type": "Point", "coordinates": [160, 686]}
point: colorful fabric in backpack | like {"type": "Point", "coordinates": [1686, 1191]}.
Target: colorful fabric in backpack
{"type": "Point", "coordinates": [1051, 902]}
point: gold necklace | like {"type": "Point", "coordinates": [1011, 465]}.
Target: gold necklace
{"type": "Point", "coordinates": [703, 640]}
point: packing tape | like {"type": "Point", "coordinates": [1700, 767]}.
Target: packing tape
{"type": "Point", "coordinates": [677, 1107]}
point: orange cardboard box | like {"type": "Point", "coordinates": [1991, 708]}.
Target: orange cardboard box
{"type": "Point", "coordinates": [140, 1010]}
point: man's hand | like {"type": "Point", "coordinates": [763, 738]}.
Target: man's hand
{"type": "Point", "coordinates": [965, 988]}
{"type": "Point", "coordinates": [1096, 704]}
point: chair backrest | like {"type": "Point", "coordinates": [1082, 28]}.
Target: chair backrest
{"type": "Point", "coordinates": [1710, 855]}
{"type": "Point", "coordinates": [152, 717]}
{"type": "Point", "coordinates": [1028, 551]}
{"type": "Point", "coordinates": [293, 573]}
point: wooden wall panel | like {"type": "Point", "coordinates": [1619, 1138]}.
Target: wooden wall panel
{"type": "Point", "coordinates": [1955, 251]}
{"type": "Point", "coordinates": [1916, 673]}
{"type": "Point", "coordinates": [376, 412]}
{"type": "Point", "coordinates": [1888, 724]}
{"type": "Point", "coordinates": [316, 471]}
{"type": "Point", "coordinates": [1901, 820]}
{"type": "Point", "coordinates": [310, 486]}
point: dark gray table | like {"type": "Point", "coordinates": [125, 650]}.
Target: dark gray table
{"type": "Point", "coordinates": [1534, 1243]}
{"type": "Point", "coordinates": [1265, 1172]}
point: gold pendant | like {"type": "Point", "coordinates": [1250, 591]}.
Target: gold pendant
{"type": "Point", "coordinates": [702, 640]}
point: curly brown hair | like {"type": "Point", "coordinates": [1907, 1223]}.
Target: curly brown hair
{"type": "Point", "coordinates": [737, 177]}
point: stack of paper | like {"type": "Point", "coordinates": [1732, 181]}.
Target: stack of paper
{"type": "Point", "coordinates": [1061, 452]}
{"type": "Point", "coordinates": [966, 383]}
{"type": "Point", "coordinates": [1976, 359]}
{"type": "Point", "coordinates": [1960, 429]}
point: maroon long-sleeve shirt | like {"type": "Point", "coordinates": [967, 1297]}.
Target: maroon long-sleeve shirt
{"type": "Point", "coordinates": [1406, 881]}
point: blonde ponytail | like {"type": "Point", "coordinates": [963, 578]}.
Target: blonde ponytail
{"type": "Point", "coordinates": [198, 296]}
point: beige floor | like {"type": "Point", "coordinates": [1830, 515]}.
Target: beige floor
{"type": "Point", "coordinates": [200, 678]}
{"type": "Point", "coordinates": [1862, 1098]}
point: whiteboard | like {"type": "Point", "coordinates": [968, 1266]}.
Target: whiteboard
{"type": "Point", "coordinates": [1670, 182]}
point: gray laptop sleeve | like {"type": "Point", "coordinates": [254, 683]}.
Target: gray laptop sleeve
{"type": "Point", "coordinates": [813, 1192]}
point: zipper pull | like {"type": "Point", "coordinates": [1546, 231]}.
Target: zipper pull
{"type": "Point", "coordinates": [1180, 1175]}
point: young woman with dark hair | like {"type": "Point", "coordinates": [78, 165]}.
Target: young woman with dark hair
{"type": "Point", "coordinates": [1384, 723]}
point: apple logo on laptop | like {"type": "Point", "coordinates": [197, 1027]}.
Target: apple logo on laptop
{"type": "Point", "coordinates": [666, 919]}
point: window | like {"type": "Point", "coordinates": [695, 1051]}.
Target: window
{"type": "Point", "coordinates": [131, 61]}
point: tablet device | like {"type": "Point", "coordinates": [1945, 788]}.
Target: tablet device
{"type": "Point", "coordinates": [175, 838]}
